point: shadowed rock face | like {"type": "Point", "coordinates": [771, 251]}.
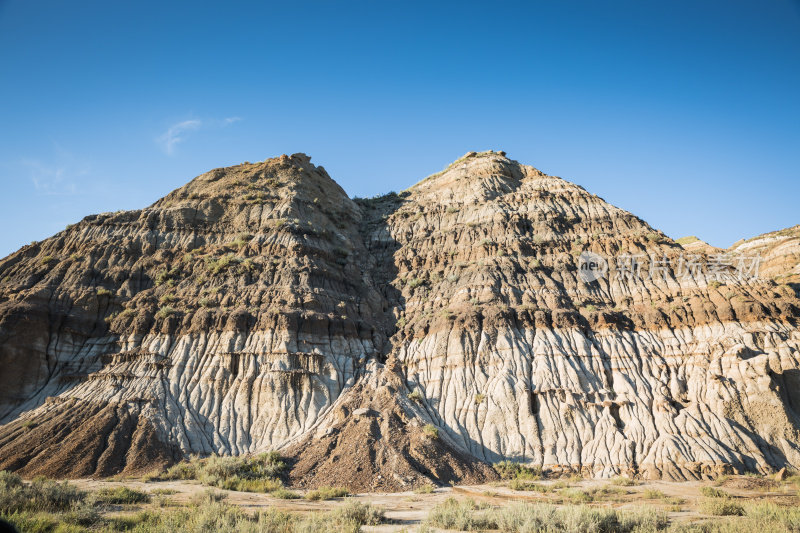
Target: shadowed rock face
{"type": "Point", "coordinates": [258, 308]}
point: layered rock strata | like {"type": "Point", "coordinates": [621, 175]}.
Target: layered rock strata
{"type": "Point", "coordinates": [258, 307]}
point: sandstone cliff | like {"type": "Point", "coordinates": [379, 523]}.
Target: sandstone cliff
{"type": "Point", "coordinates": [258, 307]}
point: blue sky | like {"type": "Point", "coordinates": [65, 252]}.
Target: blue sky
{"type": "Point", "coordinates": [686, 113]}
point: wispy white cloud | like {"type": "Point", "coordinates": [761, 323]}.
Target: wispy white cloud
{"type": "Point", "coordinates": [57, 176]}
{"type": "Point", "coordinates": [176, 134]}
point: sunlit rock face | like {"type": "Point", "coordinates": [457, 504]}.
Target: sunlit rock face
{"type": "Point", "coordinates": [258, 308]}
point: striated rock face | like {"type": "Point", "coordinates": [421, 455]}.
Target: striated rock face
{"type": "Point", "coordinates": [258, 308]}
{"type": "Point", "coordinates": [780, 252]}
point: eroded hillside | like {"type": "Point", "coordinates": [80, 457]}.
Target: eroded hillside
{"type": "Point", "coordinates": [259, 308]}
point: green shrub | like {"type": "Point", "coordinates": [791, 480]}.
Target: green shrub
{"type": "Point", "coordinates": [207, 302]}
{"type": "Point", "coordinates": [260, 473]}
{"type": "Point", "coordinates": [39, 495]}
{"type": "Point", "coordinates": [241, 240]}
{"type": "Point", "coordinates": [527, 517]}
{"type": "Point", "coordinates": [479, 398]}
{"type": "Point", "coordinates": [208, 496]}
{"type": "Point", "coordinates": [362, 514]}
{"type": "Point", "coordinates": [326, 493]}
{"type": "Point", "coordinates": [46, 260]}
{"type": "Point", "coordinates": [120, 495]}
{"type": "Point", "coordinates": [511, 470]}
{"type": "Point", "coordinates": [240, 484]}
{"type": "Point", "coordinates": [102, 291]}
{"type": "Point", "coordinates": [519, 484]}
{"type": "Point", "coordinates": [82, 514]}
{"type": "Point", "coordinates": [220, 264]}
{"type": "Point", "coordinates": [167, 299]}
{"type": "Point", "coordinates": [284, 494]}
{"type": "Point", "coordinates": [711, 492]}
{"type": "Point", "coordinates": [415, 282]}
{"type": "Point", "coordinates": [721, 507]}
{"type": "Point", "coordinates": [181, 470]}
{"type": "Point", "coordinates": [653, 494]}
{"type": "Point", "coordinates": [415, 396]}
{"type": "Point", "coordinates": [431, 431]}
{"type": "Point", "coordinates": [165, 312]}
{"type": "Point", "coordinates": [460, 515]}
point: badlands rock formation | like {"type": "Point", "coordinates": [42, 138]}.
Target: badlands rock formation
{"type": "Point", "coordinates": [258, 308]}
{"type": "Point", "coordinates": [780, 251]}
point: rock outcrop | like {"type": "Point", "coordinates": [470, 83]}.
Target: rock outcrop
{"type": "Point", "coordinates": [779, 251]}
{"type": "Point", "coordinates": [385, 342]}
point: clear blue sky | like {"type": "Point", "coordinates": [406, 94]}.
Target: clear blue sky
{"type": "Point", "coordinates": [686, 113]}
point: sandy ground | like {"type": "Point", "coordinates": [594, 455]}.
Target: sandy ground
{"type": "Point", "coordinates": [407, 510]}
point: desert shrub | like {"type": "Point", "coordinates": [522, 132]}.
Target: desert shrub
{"type": "Point", "coordinates": [772, 514]}
{"type": "Point", "coordinates": [721, 507]}
{"type": "Point", "coordinates": [519, 484]}
{"type": "Point", "coordinates": [355, 512]}
{"type": "Point", "coordinates": [46, 260]}
{"type": "Point", "coordinates": [479, 398]}
{"type": "Point", "coordinates": [623, 481]}
{"type": "Point", "coordinates": [260, 473]}
{"type": "Point", "coordinates": [102, 291]}
{"type": "Point", "coordinates": [241, 240]}
{"type": "Point", "coordinates": [39, 495]}
{"type": "Point", "coordinates": [82, 514]}
{"type": "Point", "coordinates": [711, 492]}
{"type": "Point", "coordinates": [326, 493]}
{"type": "Point", "coordinates": [165, 312]}
{"type": "Point", "coordinates": [653, 494]}
{"type": "Point", "coordinates": [656, 238]}
{"type": "Point", "coordinates": [206, 302]}
{"type": "Point", "coordinates": [576, 519]}
{"type": "Point", "coordinates": [415, 395]}
{"type": "Point", "coordinates": [595, 494]}
{"type": "Point", "coordinates": [511, 470]}
{"type": "Point", "coordinates": [181, 470]}
{"type": "Point", "coordinates": [120, 495]}
{"type": "Point", "coordinates": [413, 283]}
{"type": "Point", "coordinates": [461, 515]}
{"type": "Point", "coordinates": [245, 485]}
{"type": "Point", "coordinates": [431, 431]}
{"type": "Point", "coordinates": [425, 489]}
{"type": "Point", "coordinates": [27, 521]}
{"type": "Point", "coordinates": [578, 496]}
{"type": "Point", "coordinates": [167, 299]}
{"type": "Point", "coordinates": [220, 264]}
{"type": "Point", "coordinates": [284, 494]}
{"type": "Point", "coordinates": [208, 496]}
